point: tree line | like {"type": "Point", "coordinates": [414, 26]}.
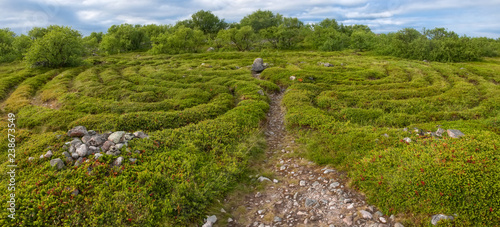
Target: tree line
{"type": "Point", "coordinates": [57, 46]}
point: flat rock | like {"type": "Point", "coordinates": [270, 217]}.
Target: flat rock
{"type": "Point", "coordinates": [58, 163]}
{"type": "Point", "coordinates": [78, 131]}
{"type": "Point", "coordinates": [453, 133]}
{"type": "Point", "coordinates": [76, 142]}
{"type": "Point", "coordinates": [140, 134]}
{"type": "Point", "coordinates": [96, 140]}
{"type": "Point", "coordinates": [107, 145]}
{"type": "Point", "coordinates": [86, 138]}
{"type": "Point", "coordinates": [116, 137]}
{"type": "Point", "coordinates": [82, 150]}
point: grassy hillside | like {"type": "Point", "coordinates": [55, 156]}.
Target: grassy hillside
{"type": "Point", "coordinates": [202, 113]}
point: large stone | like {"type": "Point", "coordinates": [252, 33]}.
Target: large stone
{"type": "Point", "coordinates": [85, 139]}
{"type": "Point", "coordinates": [92, 150]}
{"type": "Point", "coordinates": [398, 225]}
{"type": "Point", "coordinates": [119, 146]}
{"type": "Point", "coordinates": [258, 65]}
{"type": "Point", "coordinates": [128, 136]}
{"type": "Point", "coordinates": [76, 142]}
{"type": "Point", "coordinates": [72, 149]}
{"type": "Point", "coordinates": [58, 163]}
{"type": "Point", "coordinates": [82, 150]}
{"type": "Point", "coordinates": [453, 133]}
{"type": "Point", "coordinates": [116, 137]}
{"type": "Point", "coordinates": [439, 217]}
{"type": "Point", "coordinates": [92, 132]}
{"type": "Point", "coordinates": [96, 140]}
{"type": "Point", "coordinates": [107, 145]}
{"type": "Point", "coordinates": [140, 134]}
{"type": "Point", "coordinates": [78, 131]}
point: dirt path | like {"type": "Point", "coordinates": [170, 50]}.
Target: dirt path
{"type": "Point", "coordinates": [302, 193]}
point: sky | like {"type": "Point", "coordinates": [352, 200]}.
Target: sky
{"type": "Point", "coordinates": [478, 18]}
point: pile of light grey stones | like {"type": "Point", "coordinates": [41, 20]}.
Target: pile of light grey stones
{"type": "Point", "coordinates": [87, 143]}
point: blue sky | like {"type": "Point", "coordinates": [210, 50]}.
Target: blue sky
{"type": "Point", "coordinates": [471, 18]}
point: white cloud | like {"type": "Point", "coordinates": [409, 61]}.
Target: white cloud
{"type": "Point", "coordinates": [389, 15]}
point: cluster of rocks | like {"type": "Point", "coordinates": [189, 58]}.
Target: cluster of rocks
{"type": "Point", "coordinates": [258, 65]}
{"type": "Point", "coordinates": [453, 133]}
{"type": "Point", "coordinates": [308, 195]}
{"type": "Point", "coordinates": [87, 143]}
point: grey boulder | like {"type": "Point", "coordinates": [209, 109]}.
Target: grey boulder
{"type": "Point", "coordinates": [258, 65]}
{"type": "Point", "coordinates": [78, 131]}
{"type": "Point", "coordinates": [58, 163]}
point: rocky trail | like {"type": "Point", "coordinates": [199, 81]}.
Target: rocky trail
{"type": "Point", "coordinates": [302, 193]}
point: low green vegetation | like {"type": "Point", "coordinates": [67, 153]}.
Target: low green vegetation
{"type": "Point", "coordinates": [353, 116]}
{"type": "Point", "coordinates": [202, 112]}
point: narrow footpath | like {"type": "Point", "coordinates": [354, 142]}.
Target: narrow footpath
{"type": "Point", "coordinates": [302, 193]}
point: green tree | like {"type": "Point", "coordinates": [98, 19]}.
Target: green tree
{"type": "Point", "coordinates": [329, 23]}
{"type": "Point", "coordinates": [21, 45]}
{"type": "Point", "coordinates": [91, 43]}
{"type": "Point", "coordinates": [208, 22]}
{"type": "Point", "coordinates": [7, 51]}
{"type": "Point", "coordinates": [362, 40]}
{"type": "Point", "coordinates": [61, 46]}
{"type": "Point", "coordinates": [261, 20]}
{"type": "Point", "coordinates": [181, 40]}
{"type": "Point", "coordinates": [327, 38]}
{"type": "Point", "coordinates": [242, 39]}
{"type": "Point", "coordinates": [124, 38]}
{"type": "Point", "coordinates": [286, 36]}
